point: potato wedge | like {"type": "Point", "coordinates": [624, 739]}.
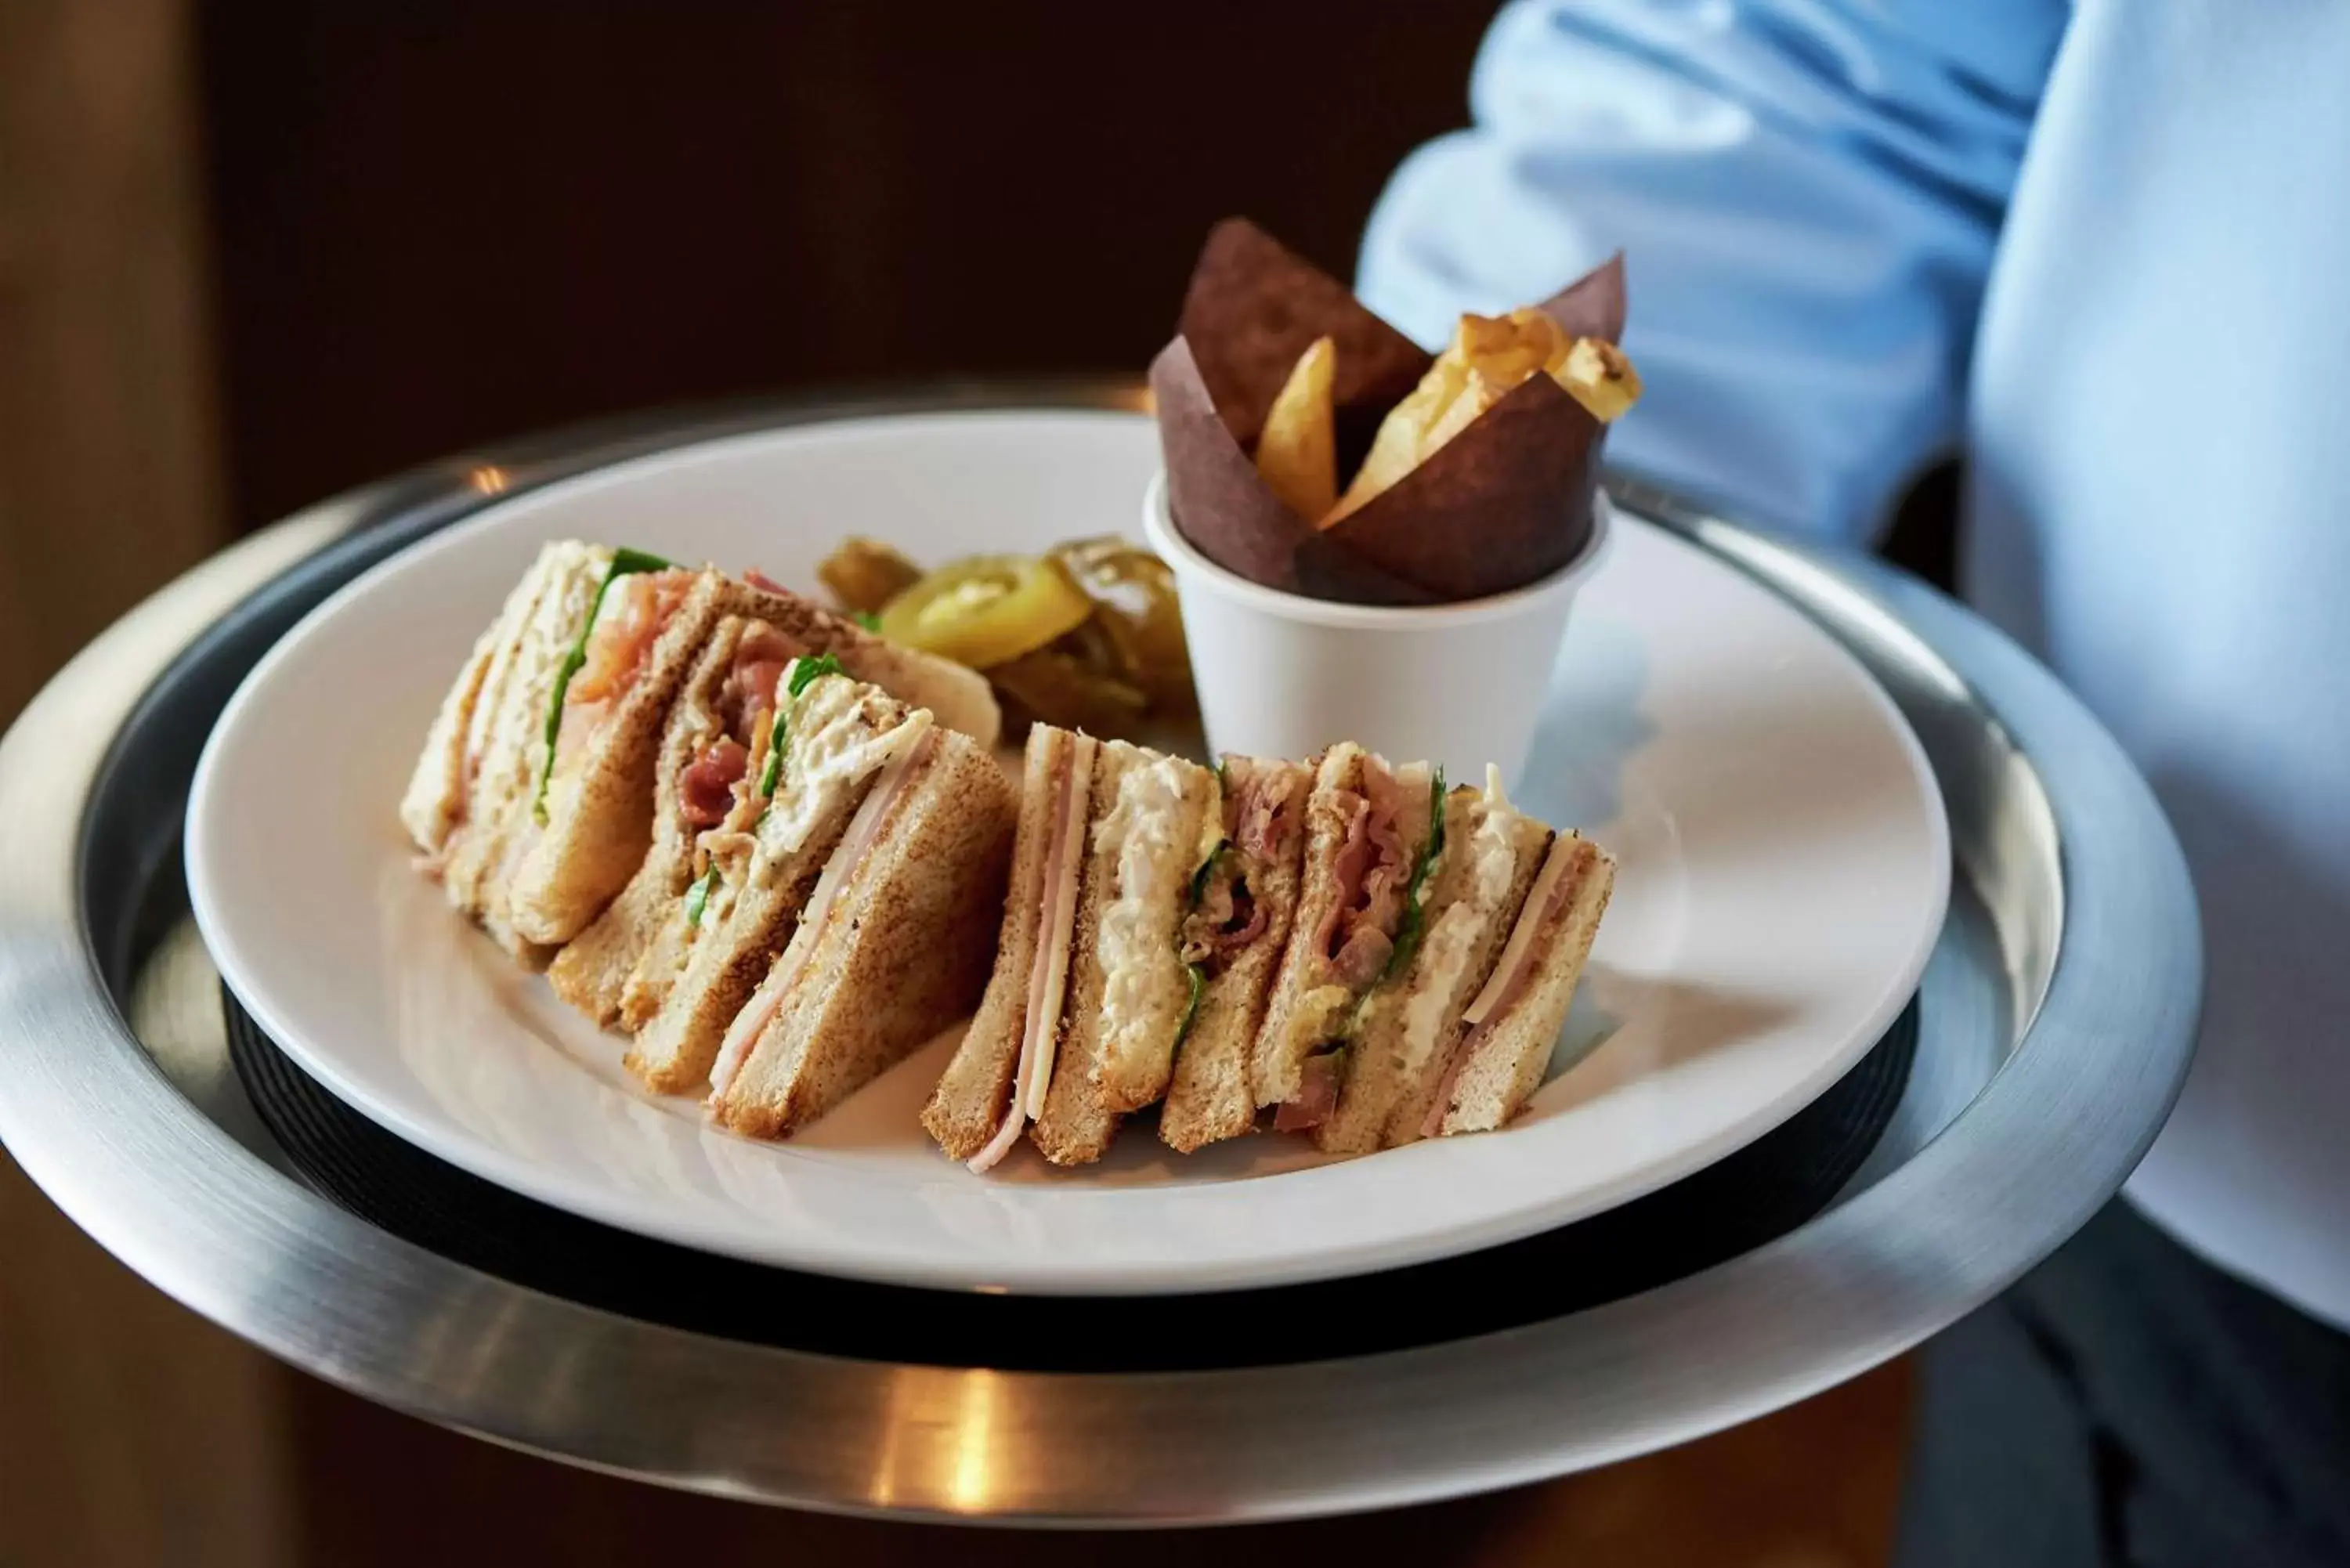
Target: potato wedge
{"type": "Point", "coordinates": [1297, 454]}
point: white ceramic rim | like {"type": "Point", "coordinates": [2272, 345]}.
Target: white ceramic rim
{"type": "Point", "coordinates": [1159, 531]}
{"type": "Point", "coordinates": [243, 970]}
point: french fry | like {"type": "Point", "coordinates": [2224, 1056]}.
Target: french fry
{"type": "Point", "coordinates": [1459, 475]}
{"type": "Point", "coordinates": [1297, 453]}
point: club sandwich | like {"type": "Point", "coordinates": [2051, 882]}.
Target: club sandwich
{"type": "Point", "coordinates": [534, 799]}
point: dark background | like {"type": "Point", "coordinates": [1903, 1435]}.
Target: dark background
{"type": "Point", "coordinates": [441, 222]}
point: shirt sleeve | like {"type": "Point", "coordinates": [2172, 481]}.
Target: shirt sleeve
{"type": "Point", "coordinates": [1807, 194]}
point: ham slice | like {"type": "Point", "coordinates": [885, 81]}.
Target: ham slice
{"type": "Point", "coordinates": [1512, 974]}
{"type": "Point", "coordinates": [910, 742]}
{"type": "Point", "coordinates": [1048, 973]}
{"type": "Point", "coordinates": [1260, 821]}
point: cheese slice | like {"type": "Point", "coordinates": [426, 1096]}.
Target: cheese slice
{"type": "Point", "coordinates": [1510, 973]}
{"type": "Point", "coordinates": [1048, 973]}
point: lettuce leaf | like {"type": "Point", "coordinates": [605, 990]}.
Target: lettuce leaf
{"type": "Point", "coordinates": [624, 562]}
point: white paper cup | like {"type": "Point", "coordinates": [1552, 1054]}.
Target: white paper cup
{"type": "Point", "coordinates": [1282, 675]}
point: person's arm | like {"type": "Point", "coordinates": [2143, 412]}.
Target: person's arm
{"type": "Point", "coordinates": [1807, 195]}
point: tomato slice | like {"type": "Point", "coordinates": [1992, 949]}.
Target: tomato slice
{"type": "Point", "coordinates": [987, 610]}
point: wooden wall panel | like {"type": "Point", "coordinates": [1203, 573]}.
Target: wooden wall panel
{"type": "Point", "coordinates": [131, 1433]}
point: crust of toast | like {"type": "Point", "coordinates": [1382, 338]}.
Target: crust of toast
{"type": "Point", "coordinates": [506, 725]}
{"type": "Point", "coordinates": [435, 801]}
{"type": "Point", "coordinates": [904, 950]}
{"type": "Point", "coordinates": [973, 1094]}
{"type": "Point", "coordinates": [1210, 1097]}
{"type": "Point", "coordinates": [1507, 1066]}
{"type": "Point", "coordinates": [1076, 1124]}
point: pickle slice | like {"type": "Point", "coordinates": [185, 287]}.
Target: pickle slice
{"type": "Point", "coordinates": [988, 610]}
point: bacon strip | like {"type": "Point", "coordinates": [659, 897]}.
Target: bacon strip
{"type": "Point", "coordinates": [912, 741]}
{"type": "Point", "coordinates": [1364, 957]}
{"type": "Point", "coordinates": [1352, 864]}
{"type": "Point", "coordinates": [1374, 878]}
{"type": "Point", "coordinates": [1048, 971]}
{"type": "Point", "coordinates": [617, 647]}
{"type": "Point", "coordinates": [706, 788]}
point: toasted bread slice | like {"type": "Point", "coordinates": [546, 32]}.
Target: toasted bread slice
{"type": "Point", "coordinates": [1514, 1024]}
{"type": "Point", "coordinates": [592, 971]}
{"type": "Point", "coordinates": [1253, 887]}
{"type": "Point", "coordinates": [485, 829]}
{"type": "Point", "coordinates": [1401, 1048]}
{"type": "Point", "coordinates": [894, 944]}
{"type": "Point", "coordinates": [1154, 819]}
{"type": "Point", "coordinates": [1313, 1005]}
{"type": "Point", "coordinates": [839, 735]}
{"type": "Point", "coordinates": [434, 804]}
{"type": "Point", "coordinates": [437, 800]}
{"type": "Point", "coordinates": [969, 1106]}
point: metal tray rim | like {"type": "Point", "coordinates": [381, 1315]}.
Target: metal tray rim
{"type": "Point", "coordinates": [92, 1118]}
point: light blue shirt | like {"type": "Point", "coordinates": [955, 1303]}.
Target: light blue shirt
{"type": "Point", "coordinates": [2104, 248]}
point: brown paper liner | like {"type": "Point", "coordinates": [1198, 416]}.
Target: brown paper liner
{"type": "Point", "coordinates": [1254, 305]}
{"type": "Point", "coordinates": [1505, 502]}
{"type": "Point", "coordinates": [1502, 504]}
{"type": "Point", "coordinates": [1221, 505]}
{"type": "Point", "coordinates": [1592, 305]}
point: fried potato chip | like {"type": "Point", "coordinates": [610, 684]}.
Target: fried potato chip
{"type": "Point", "coordinates": [1600, 378]}
{"type": "Point", "coordinates": [1489, 357]}
{"type": "Point", "coordinates": [1457, 480]}
{"type": "Point", "coordinates": [1298, 453]}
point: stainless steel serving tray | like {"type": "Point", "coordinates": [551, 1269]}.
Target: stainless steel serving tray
{"type": "Point", "coordinates": [2056, 1024]}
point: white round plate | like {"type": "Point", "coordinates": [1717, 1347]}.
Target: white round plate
{"type": "Point", "coordinates": [1784, 868]}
